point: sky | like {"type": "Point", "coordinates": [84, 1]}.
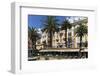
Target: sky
{"type": "Point", "coordinates": [36, 20]}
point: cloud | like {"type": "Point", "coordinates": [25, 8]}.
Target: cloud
{"type": "Point", "coordinates": [39, 31]}
{"type": "Point", "coordinates": [72, 19]}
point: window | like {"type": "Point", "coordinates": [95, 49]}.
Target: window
{"type": "Point", "coordinates": [69, 34]}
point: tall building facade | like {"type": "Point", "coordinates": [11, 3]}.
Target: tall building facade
{"type": "Point", "coordinates": [58, 38]}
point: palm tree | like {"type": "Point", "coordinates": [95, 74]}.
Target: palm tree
{"type": "Point", "coordinates": [80, 32]}
{"type": "Point", "coordinates": [50, 26]}
{"type": "Point", "coordinates": [29, 31]}
{"type": "Point", "coordinates": [66, 25]}
{"type": "Point", "coordinates": [33, 36]}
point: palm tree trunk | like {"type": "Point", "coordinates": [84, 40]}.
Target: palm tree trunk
{"type": "Point", "coordinates": [74, 38]}
{"type": "Point", "coordinates": [80, 46]}
{"type": "Point", "coordinates": [66, 38]}
{"type": "Point", "coordinates": [35, 43]}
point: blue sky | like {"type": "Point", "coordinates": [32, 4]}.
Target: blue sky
{"type": "Point", "coordinates": [36, 20]}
